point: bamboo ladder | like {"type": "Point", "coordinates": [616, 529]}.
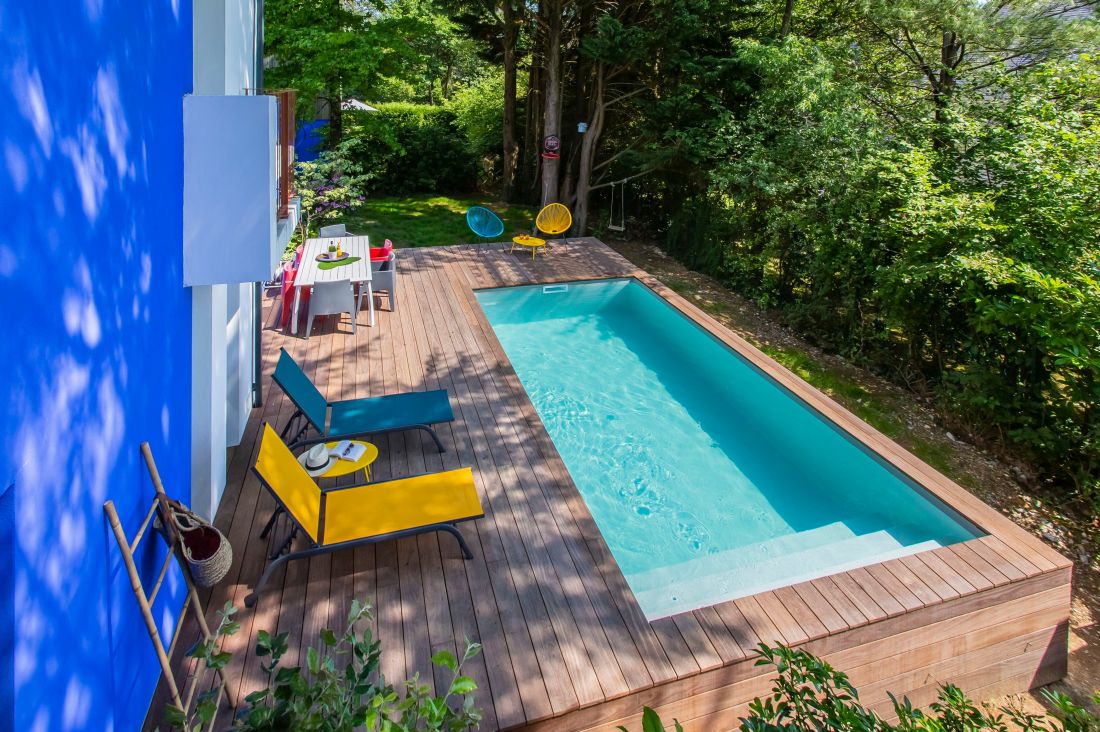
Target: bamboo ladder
{"type": "Point", "coordinates": [168, 532]}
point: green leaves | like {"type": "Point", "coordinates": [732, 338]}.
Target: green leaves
{"type": "Point", "coordinates": [340, 689]}
{"type": "Point", "coordinates": [808, 694]}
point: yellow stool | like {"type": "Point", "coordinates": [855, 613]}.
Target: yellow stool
{"type": "Point", "coordinates": [347, 467]}
{"type": "Point", "coordinates": [525, 240]}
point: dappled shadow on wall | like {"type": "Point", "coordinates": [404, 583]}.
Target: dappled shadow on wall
{"type": "Point", "coordinates": [90, 273]}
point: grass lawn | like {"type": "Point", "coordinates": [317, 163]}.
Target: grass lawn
{"type": "Point", "coordinates": [430, 220]}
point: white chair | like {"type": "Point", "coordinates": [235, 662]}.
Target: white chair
{"type": "Point", "coordinates": [332, 298]}
{"type": "Point", "coordinates": [333, 230]}
{"type": "Point", "coordinates": [384, 277]}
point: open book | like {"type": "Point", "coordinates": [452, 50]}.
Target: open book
{"type": "Point", "coordinates": [348, 450]}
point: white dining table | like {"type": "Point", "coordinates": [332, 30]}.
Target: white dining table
{"type": "Point", "coordinates": [309, 273]}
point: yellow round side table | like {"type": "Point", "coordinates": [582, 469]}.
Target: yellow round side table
{"type": "Point", "coordinates": [525, 240]}
{"type": "Point", "coordinates": [347, 467]}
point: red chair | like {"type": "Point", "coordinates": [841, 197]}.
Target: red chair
{"type": "Point", "coordinates": [290, 273]}
{"type": "Point", "coordinates": [381, 254]}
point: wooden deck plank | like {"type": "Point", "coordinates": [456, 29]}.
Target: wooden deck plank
{"type": "Point", "coordinates": [532, 694]}
{"type": "Point", "coordinates": [937, 564]}
{"type": "Point", "coordinates": [933, 581]}
{"type": "Point", "coordinates": [761, 624]}
{"type": "Point", "coordinates": [848, 610]}
{"type": "Point", "coordinates": [895, 587]}
{"type": "Point", "coordinates": [550, 570]}
{"type": "Point", "coordinates": [966, 553]}
{"type": "Point", "coordinates": [833, 621]}
{"type": "Point", "coordinates": [807, 620]}
{"type": "Point", "coordinates": [558, 643]}
{"type": "Point", "coordinates": [851, 589]}
{"type": "Point", "coordinates": [719, 635]}
{"type": "Point", "coordinates": [911, 581]}
{"type": "Point", "coordinates": [877, 592]}
{"type": "Point", "coordinates": [474, 610]}
{"type": "Point", "coordinates": [996, 560]}
{"type": "Point", "coordinates": [791, 630]}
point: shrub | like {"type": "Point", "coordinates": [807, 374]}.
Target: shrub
{"type": "Point", "coordinates": [327, 186]}
{"type": "Point", "coordinates": [410, 148]}
{"type": "Point", "coordinates": [809, 694]}
{"type": "Point", "coordinates": [323, 697]}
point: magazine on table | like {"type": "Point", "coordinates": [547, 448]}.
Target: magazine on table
{"type": "Point", "coordinates": [348, 450]}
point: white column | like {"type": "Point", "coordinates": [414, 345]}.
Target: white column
{"type": "Point", "coordinates": [238, 336]}
{"type": "Point", "coordinates": [208, 397]}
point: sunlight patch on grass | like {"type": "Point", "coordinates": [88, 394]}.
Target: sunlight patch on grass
{"type": "Point", "coordinates": [431, 220]}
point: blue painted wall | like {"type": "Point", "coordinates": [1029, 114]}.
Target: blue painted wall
{"type": "Point", "coordinates": [95, 344]}
{"type": "Point", "coordinates": [309, 140]}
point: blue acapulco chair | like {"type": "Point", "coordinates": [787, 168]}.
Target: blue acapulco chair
{"type": "Point", "coordinates": [485, 224]}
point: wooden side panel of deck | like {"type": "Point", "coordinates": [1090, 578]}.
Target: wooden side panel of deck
{"type": "Point", "coordinates": [566, 645]}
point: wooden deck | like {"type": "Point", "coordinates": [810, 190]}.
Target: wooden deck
{"type": "Point", "coordinates": [565, 644]}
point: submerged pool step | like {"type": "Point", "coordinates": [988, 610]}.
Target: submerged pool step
{"type": "Point", "coordinates": [743, 557]}
{"type": "Point", "coordinates": [707, 581]}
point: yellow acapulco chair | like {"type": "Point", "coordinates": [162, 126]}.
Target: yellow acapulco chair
{"type": "Point", "coordinates": [553, 220]}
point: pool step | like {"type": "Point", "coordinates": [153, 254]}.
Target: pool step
{"type": "Point", "coordinates": [719, 577]}
{"type": "Point", "coordinates": [749, 556]}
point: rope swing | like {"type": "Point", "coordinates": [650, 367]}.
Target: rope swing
{"type": "Point", "coordinates": [611, 225]}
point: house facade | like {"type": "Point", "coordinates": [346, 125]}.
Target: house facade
{"type": "Point", "coordinates": [141, 179]}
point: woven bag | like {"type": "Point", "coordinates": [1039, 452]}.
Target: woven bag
{"type": "Point", "coordinates": [207, 551]}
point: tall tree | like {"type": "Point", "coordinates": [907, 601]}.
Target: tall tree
{"type": "Point", "coordinates": [550, 18]}
{"type": "Point", "coordinates": [328, 50]}
{"type": "Point", "coordinates": [512, 16]}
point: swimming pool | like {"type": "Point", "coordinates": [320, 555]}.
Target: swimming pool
{"type": "Point", "coordinates": [707, 479]}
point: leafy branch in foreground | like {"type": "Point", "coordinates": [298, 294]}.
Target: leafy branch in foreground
{"type": "Point", "coordinates": [809, 694]}
{"type": "Point", "coordinates": [340, 690]}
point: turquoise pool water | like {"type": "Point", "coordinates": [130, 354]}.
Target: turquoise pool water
{"type": "Point", "coordinates": [708, 480]}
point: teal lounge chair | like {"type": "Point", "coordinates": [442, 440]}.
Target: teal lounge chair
{"type": "Point", "coordinates": [416, 410]}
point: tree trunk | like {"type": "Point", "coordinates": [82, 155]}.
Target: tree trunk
{"type": "Point", "coordinates": [447, 79]}
{"type": "Point", "coordinates": [788, 15]}
{"type": "Point", "coordinates": [551, 111]}
{"type": "Point", "coordinates": [589, 144]}
{"type": "Point", "coordinates": [511, 157]}
{"type": "Point", "coordinates": [335, 118]}
{"type": "Point", "coordinates": [944, 87]}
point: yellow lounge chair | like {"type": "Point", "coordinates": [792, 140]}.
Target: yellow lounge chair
{"type": "Point", "coordinates": [342, 518]}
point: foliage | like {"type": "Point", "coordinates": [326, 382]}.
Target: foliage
{"type": "Point", "coordinates": [961, 262]}
{"type": "Point", "coordinates": [325, 697]}
{"type": "Point", "coordinates": [330, 186]}
{"type": "Point", "coordinates": [329, 50]}
{"type": "Point", "coordinates": [410, 148]}
{"type": "Point", "coordinates": [651, 722]}
{"type": "Point", "coordinates": [478, 113]}
{"type": "Point", "coordinates": [442, 58]}
{"type": "Point", "coordinates": [809, 694]}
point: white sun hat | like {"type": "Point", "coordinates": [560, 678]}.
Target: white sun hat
{"type": "Point", "coordinates": [317, 460]}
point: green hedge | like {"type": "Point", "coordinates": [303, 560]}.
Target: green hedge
{"type": "Point", "coordinates": [410, 148]}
